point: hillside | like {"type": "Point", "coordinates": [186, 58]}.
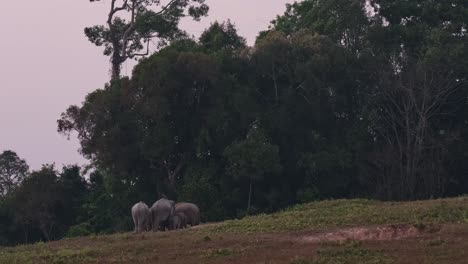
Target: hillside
{"type": "Point", "coordinates": [339, 231]}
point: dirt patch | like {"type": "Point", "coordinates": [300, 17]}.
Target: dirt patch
{"type": "Point", "coordinates": [379, 233]}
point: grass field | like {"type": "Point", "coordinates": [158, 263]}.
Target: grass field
{"type": "Point", "coordinates": [339, 231]}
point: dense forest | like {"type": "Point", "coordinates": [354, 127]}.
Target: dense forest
{"type": "Point", "coordinates": [337, 99]}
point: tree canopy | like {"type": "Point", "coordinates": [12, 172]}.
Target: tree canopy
{"type": "Point", "coordinates": [337, 99]}
{"type": "Point", "coordinates": [13, 170]}
{"type": "Point", "coordinates": [132, 24]}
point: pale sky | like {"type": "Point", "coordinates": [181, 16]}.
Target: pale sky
{"type": "Point", "coordinates": [47, 64]}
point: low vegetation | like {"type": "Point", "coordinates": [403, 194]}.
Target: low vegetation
{"type": "Point", "coordinates": [350, 253]}
{"type": "Point", "coordinates": [342, 213]}
{"type": "Point", "coordinates": [276, 238]}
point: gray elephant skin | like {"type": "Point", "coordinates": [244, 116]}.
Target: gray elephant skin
{"type": "Point", "coordinates": [190, 210]}
{"type": "Point", "coordinates": [179, 221]}
{"type": "Point", "coordinates": [141, 217]}
{"type": "Point", "coordinates": [162, 213]}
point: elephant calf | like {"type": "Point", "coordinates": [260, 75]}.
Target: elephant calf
{"type": "Point", "coordinates": [191, 211]}
{"type": "Point", "coordinates": [141, 217]}
{"type": "Point", "coordinates": [179, 221]}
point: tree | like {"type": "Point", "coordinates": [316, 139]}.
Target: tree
{"type": "Point", "coordinates": [98, 210]}
{"type": "Point", "coordinates": [222, 37]}
{"type": "Point", "coordinates": [147, 19]}
{"type": "Point", "coordinates": [36, 203]}
{"type": "Point", "coordinates": [253, 159]}
{"type": "Point", "coordinates": [343, 21]}
{"type": "Point", "coordinates": [154, 118]}
{"type": "Point", "coordinates": [410, 112]}
{"type": "Point", "coordinates": [73, 189]}
{"type": "Point", "coordinates": [13, 170]}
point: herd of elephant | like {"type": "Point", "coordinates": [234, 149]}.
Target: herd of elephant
{"type": "Point", "coordinates": [164, 214]}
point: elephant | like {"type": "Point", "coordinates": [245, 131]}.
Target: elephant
{"type": "Point", "coordinates": [190, 210]}
{"type": "Point", "coordinates": [141, 217]}
{"type": "Point", "coordinates": [179, 221]}
{"type": "Point", "coordinates": [162, 213]}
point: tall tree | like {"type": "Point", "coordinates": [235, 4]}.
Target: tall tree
{"type": "Point", "coordinates": [412, 111]}
{"type": "Point", "coordinates": [13, 170]}
{"type": "Point", "coordinates": [252, 160]}
{"type": "Point", "coordinates": [146, 20]}
{"type": "Point", "coordinates": [36, 203]}
{"type": "Point", "coordinates": [222, 37]}
{"type": "Point", "coordinates": [73, 189]}
{"type": "Point", "coordinates": [343, 21]}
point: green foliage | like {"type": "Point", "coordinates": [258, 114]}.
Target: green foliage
{"type": "Point", "coordinates": [308, 195]}
{"type": "Point", "coordinates": [43, 206]}
{"type": "Point", "coordinates": [254, 157]}
{"type": "Point", "coordinates": [13, 170]}
{"type": "Point", "coordinates": [337, 99]}
{"type": "Point", "coordinates": [346, 213]}
{"type": "Point", "coordinates": [349, 253]}
{"type": "Point", "coordinates": [353, 253]}
{"type": "Point", "coordinates": [80, 230]}
{"type": "Point", "coordinates": [37, 201]}
{"type": "Point", "coordinates": [39, 254]}
{"type": "Point", "coordinates": [222, 37]}
{"type": "Point", "coordinates": [199, 189]}
{"type": "Point", "coordinates": [132, 25]}
{"type": "Point", "coordinates": [344, 21]}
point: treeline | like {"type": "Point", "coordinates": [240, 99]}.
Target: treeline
{"type": "Point", "coordinates": [337, 99]}
{"type": "Point", "coordinates": [38, 205]}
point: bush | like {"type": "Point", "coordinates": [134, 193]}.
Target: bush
{"type": "Point", "coordinates": [83, 229]}
{"type": "Point", "coordinates": [308, 195]}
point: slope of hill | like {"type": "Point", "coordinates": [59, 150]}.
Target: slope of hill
{"type": "Point", "coordinates": [339, 231]}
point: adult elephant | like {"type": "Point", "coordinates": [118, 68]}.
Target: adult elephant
{"type": "Point", "coordinates": [141, 217]}
{"type": "Point", "coordinates": [191, 212]}
{"type": "Point", "coordinates": [162, 213]}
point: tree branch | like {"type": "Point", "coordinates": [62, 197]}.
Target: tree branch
{"type": "Point", "coordinates": [164, 8]}
{"type": "Point", "coordinates": [128, 31]}
{"type": "Point", "coordinates": [115, 10]}
{"type": "Point", "coordinates": [131, 56]}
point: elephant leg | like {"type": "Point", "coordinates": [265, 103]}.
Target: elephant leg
{"type": "Point", "coordinates": [168, 225]}
{"type": "Point", "coordinates": [135, 221]}
{"type": "Point", "coordinates": [155, 223]}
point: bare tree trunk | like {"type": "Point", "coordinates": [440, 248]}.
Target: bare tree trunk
{"type": "Point", "coordinates": [25, 232]}
{"type": "Point", "coordinates": [250, 197]}
{"type": "Point", "coordinates": [173, 173]}
{"type": "Point", "coordinates": [275, 82]}
{"type": "Point", "coordinates": [411, 101]}
{"type": "Point", "coordinates": [115, 71]}
{"type": "Point", "coordinates": [45, 232]}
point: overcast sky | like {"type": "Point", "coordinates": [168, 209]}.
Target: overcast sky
{"type": "Point", "coordinates": [46, 64]}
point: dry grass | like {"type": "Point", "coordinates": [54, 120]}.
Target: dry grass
{"type": "Point", "coordinates": [279, 238]}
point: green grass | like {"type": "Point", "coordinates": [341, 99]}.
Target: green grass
{"type": "Point", "coordinates": [349, 254]}
{"type": "Point", "coordinates": [343, 213]}
{"type": "Point", "coordinates": [39, 253]}
{"type": "Point", "coordinates": [236, 238]}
